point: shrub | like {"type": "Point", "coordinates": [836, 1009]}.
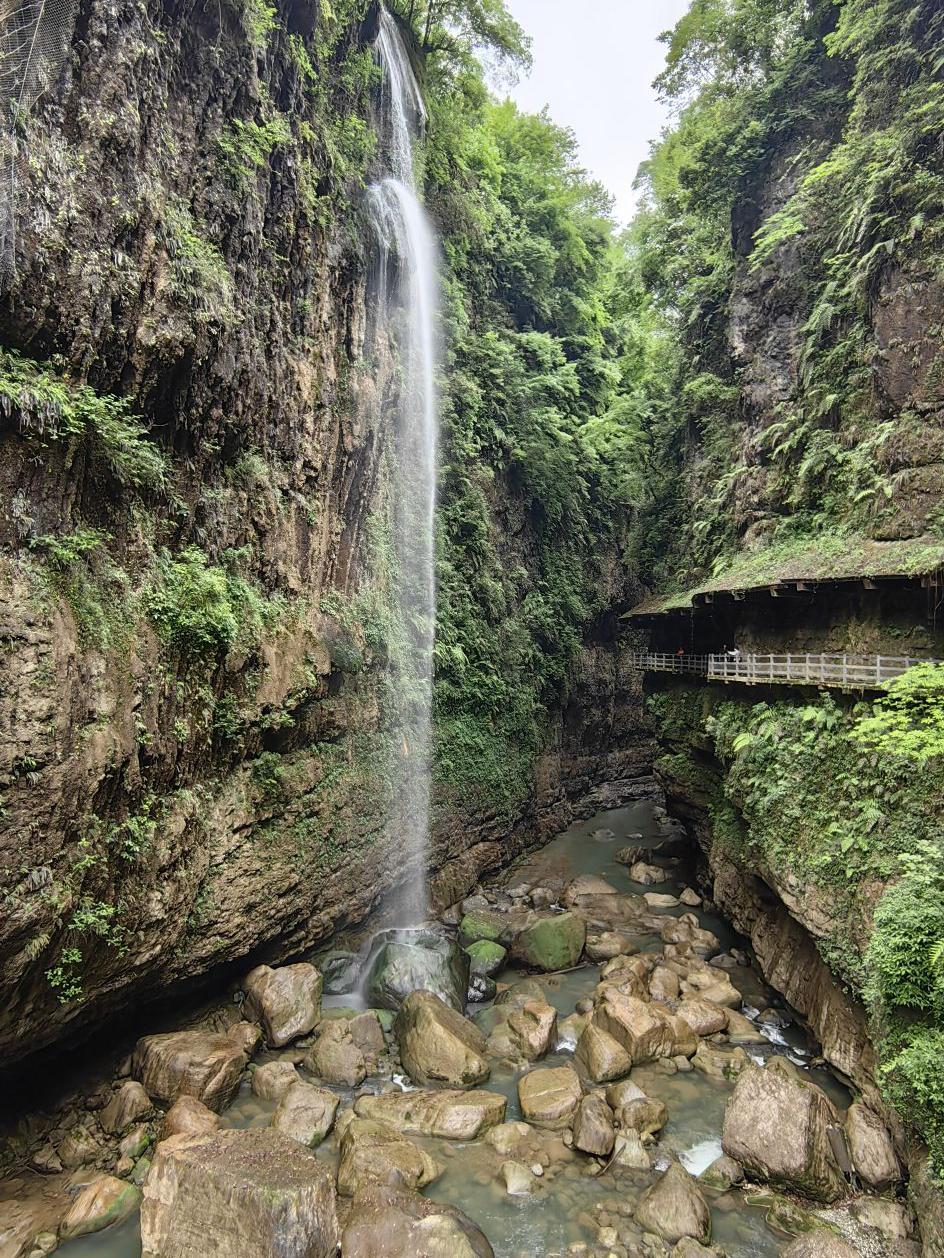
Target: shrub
{"type": "Point", "coordinates": [52, 408]}
{"type": "Point", "coordinates": [909, 923]}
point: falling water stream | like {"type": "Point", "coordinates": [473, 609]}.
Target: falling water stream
{"type": "Point", "coordinates": [406, 314]}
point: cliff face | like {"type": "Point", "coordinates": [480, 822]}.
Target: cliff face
{"type": "Point", "coordinates": [195, 741]}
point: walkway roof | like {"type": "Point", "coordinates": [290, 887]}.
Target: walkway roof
{"type": "Point", "coordinates": [805, 562]}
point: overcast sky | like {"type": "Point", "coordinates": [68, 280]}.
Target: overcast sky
{"type": "Point", "coordinates": [594, 62]}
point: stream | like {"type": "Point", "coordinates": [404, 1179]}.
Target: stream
{"type": "Point", "coordinates": [571, 1202]}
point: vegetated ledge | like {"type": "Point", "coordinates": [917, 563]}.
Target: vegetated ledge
{"type": "Point", "coordinates": [828, 557]}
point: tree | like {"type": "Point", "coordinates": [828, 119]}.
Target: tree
{"type": "Point", "coordinates": [454, 27]}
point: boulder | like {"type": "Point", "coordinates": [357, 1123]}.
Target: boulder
{"type": "Point", "coordinates": [871, 1149]}
{"type": "Point", "coordinates": [711, 985]}
{"type": "Point", "coordinates": [486, 958]}
{"type": "Point", "coordinates": [340, 971]}
{"type": "Point", "coordinates": [648, 875]}
{"type": "Point", "coordinates": [599, 1057]}
{"type": "Point", "coordinates": [674, 1208]}
{"type": "Point", "coordinates": [79, 1147]}
{"type": "Point", "coordinates": [703, 1016]}
{"type": "Point", "coordinates": [373, 1153]}
{"type": "Point", "coordinates": [630, 1152]}
{"type": "Point", "coordinates": [620, 1094]}
{"type": "Point", "coordinates": [366, 1031]}
{"type": "Point", "coordinates": [189, 1117]}
{"type": "Point", "coordinates": [129, 1104]}
{"type": "Point", "coordinates": [820, 1243]}
{"type": "Point", "coordinates": [100, 1204]}
{"type": "Point", "coordinates": [690, 897]}
{"type": "Point", "coordinates": [551, 941]}
{"type": "Point", "coordinates": [422, 962]}
{"type": "Point", "coordinates": [686, 930]}
{"type": "Point", "coordinates": [438, 1045]}
{"type": "Point", "coordinates": [645, 1031]}
{"type": "Point", "coordinates": [722, 1174]}
{"type": "Point", "coordinates": [490, 924]}
{"type": "Point", "coordinates": [720, 1063]}
{"type": "Point", "coordinates": [593, 1126]}
{"type": "Point", "coordinates": [609, 944]}
{"type": "Point", "coordinates": [388, 1223]}
{"type": "Point", "coordinates": [660, 900]}
{"type": "Point", "coordinates": [273, 1079]}
{"type": "Point", "coordinates": [519, 1182]}
{"type": "Point", "coordinates": [202, 1064]}
{"type": "Point", "coordinates": [306, 1113]}
{"type": "Point", "coordinates": [254, 1192]}
{"type": "Point", "coordinates": [584, 885]}
{"type": "Point", "coordinates": [448, 1115]}
{"type": "Point", "coordinates": [689, 1248]}
{"type": "Point", "coordinates": [335, 1058]}
{"type": "Point", "coordinates": [893, 1219]}
{"type": "Point", "coordinates": [663, 984]}
{"type": "Point", "coordinates": [523, 1032]}
{"type": "Point", "coordinates": [741, 1030]}
{"type": "Point", "coordinates": [775, 1127]}
{"type": "Point", "coordinates": [287, 1000]}
{"type": "Point", "coordinates": [549, 1097]}
{"type": "Point", "coordinates": [644, 1115]}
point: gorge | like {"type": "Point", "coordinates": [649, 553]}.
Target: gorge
{"type": "Point", "coordinates": [353, 464]}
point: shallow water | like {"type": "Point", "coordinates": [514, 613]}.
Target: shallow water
{"type": "Point", "coordinates": [568, 1199]}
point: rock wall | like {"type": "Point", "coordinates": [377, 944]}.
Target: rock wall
{"type": "Point", "coordinates": [194, 735]}
{"type": "Point", "coordinates": [788, 920]}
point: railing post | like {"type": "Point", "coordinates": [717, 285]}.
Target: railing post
{"type": "Point", "coordinates": [845, 670]}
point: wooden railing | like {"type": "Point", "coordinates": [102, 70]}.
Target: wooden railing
{"type": "Point", "coordinates": [869, 672]}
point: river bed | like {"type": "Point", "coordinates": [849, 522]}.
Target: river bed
{"type": "Point", "coordinates": [567, 1206]}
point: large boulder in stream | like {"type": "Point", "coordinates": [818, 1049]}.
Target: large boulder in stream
{"type": "Point", "coordinates": [646, 1031]}
{"type": "Point", "coordinates": [373, 1153]}
{"type": "Point", "coordinates": [306, 1113]}
{"type": "Point", "coordinates": [202, 1064]}
{"type": "Point", "coordinates": [438, 1045]}
{"type": "Point", "coordinates": [775, 1127]}
{"type": "Point", "coordinates": [424, 962]}
{"type": "Point", "coordinates": [550, 941]}
{"type": "Point", "coordinates": [102, 1203]}
{"type": "Point", "coordinates": [448, 1115]}
{"type": "Point", "coordinates": [287, 1001]}
{"type": "Point", "coordinates": [254, 1192]}
{"type": "Point", "coordinates": [396, 1224]}
{"type": "Point", "coordinates": [871, 1149]}
{"type": "Point", "coordinates": [674, 1208]}
{"type": "Point", "coordinates": [549, 1097]}
{"type": "Point", "coordinates": [521, 1025]}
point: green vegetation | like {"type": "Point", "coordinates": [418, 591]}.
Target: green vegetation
{"type": "Point", "coordinates": [48, 407]}
{"type": "Point", "coordinates": [537, 415]}
{"type": "Point", "coordinates": [201, 277]}
{"type": "Point", "coordinates": [201, 609]}
{"type": "Point", "coordinates": [842, 800]}
{"type": "Point", "coordinates": [811, 129]}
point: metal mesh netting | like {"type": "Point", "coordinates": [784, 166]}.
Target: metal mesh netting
{"type": "Point", "coordinates": [34, 40]}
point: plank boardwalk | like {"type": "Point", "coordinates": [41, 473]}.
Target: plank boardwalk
{"type": "Point", "coordinates": [854, 672]}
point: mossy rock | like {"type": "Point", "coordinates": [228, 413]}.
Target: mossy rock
{"type": "Point", "coordinates": [782, 1214]}
{"type": "Point", "coordinates": [551, 943]}
{"type": "Point", "coordinates": [480, 925]}
{"type": "Point", "coordinates": [486, 957]}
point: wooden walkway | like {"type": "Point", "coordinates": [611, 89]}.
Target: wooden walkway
{"type": "Point", "coordinates": [853, 672]}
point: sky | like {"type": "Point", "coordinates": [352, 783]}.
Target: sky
{"type": "Point", "coordinates": [594, 62]}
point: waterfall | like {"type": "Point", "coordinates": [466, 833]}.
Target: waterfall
{"type": "Point", "coordinates": [406, 313]}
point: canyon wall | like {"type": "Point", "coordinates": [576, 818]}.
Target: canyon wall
{"type": "Point", "coordinates": [196, 740]}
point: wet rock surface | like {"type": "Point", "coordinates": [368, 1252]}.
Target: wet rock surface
{"type": "Point", "coordinates": [252, 1191]}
